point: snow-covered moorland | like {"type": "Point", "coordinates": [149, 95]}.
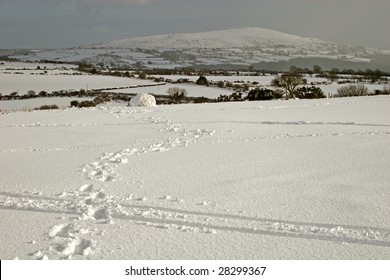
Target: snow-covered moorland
{"type": "Point", "coordinates": [236, 47]}
{"type": "Point", "coordinates": [297, 179]}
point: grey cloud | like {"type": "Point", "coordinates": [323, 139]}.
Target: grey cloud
{"type": "Point", "coordinates": [25, 23]}
{"type": "Point", "coordinates": [88, 5]}
{"type": "Point", "coordinates": [91, 6]}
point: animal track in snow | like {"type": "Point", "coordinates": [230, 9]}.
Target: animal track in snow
{"type": "Point", "coordinates": [292, 136]}
{"type": "Point", "coordinates": [103, 170]}
{"type": "Point", "coordinates": [77, 237]}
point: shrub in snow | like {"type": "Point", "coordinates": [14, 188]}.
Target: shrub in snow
{"type": "Point", "coordinates": [201, 99]}
{"type": "Point", "coordinates": [235, 96]}
{"type": "Point", "coordinates": [221, 84]}
{"type": "Point", "coordinates": [42, 93]}
{"type": "Point", "coordinates": [47, 107]}
{"type": "Point", "coordinates": [101, 99]}
{"type": "Point", "coordinates": [86, 103]}
{"type": "Point", "coordinates": [31, 93]}
{"type": "Point", "coordinates": [202, 81]}
{"type": "Point", "coordinates": [74, 103]}
{"type": "Point", "coordinates": [351, 90]}
{"type": "Point", "coordinates": [261, 94]}
{"type": "Point", "coordinates": [142, 75]}
{"type": "Point", "coordinates": [310, 93]}
{"type": "Point", "coordinates": [177, 95]}
{"type": "Point", "coordinates": [385, 91]}
{"type": "Point", "coordinates": [143, 100]}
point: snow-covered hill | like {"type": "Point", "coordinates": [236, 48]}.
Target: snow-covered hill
{"type": "Point", "coordinates": [233, 48]}
{"type": "Point", "coordinates": [250, 37]}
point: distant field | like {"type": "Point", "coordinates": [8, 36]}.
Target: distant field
{"type": "Point", "coordinates": [30, 104]}
{"type": "Point", "coordinates": [23, 77]}
{"type": "Point", "coordinates": [5, 52]}
{"type": "Point", "coordinates": [192, 90]}
{"type": "Point", "coordinates": [22, 83]}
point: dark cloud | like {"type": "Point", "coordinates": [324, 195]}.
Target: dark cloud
{"type": "Point", "coordinates": [90, 6]}
{"type": "Point", "coordinates": [93, 5]}
{"type": "Point", "coordinates": [79, 22]}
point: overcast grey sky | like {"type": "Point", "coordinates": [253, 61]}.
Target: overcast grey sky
{"type": "Point", "coordinates": [67, 23]}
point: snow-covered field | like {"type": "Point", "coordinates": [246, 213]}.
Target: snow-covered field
{"type": "Point", "coordinates": [7, 65]}
{"type": "Point", "coordinates": [55, 81]}
{"type": "Point", "coordinates": [22, 83]}
{"type": "Point", "coordinates": [22, 77]}
{"type": "Point", "coordinates": [31, 104]}
{"type": "Point", "coordinates": [192, 90]}
{"type": "Point", "coordinates": [329, 88]}
{"type": "Point", "coordinates": [298, 179]}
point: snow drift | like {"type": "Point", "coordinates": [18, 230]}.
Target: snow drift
{"type": "Point", "coordinates": [143, 100]}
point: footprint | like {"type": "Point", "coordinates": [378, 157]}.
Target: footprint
{"type": "Point", "coordinates": [77, 246]}
{"type": "Point", "coordinates": [86, 188]}
{"type": "Point", "coordinates": [61, 230]}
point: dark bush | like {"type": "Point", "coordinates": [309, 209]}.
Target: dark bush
{"type": "Point", "coordinates": [310, 93]}
{"type": "Point", "coordinates": [42, 93]}
{"type": "Point", "coordinates": [101, 99]}
{"type": "Point", "coordinates": [74, 103]}
{"type": "Point", "coordinates": [142, 75]}
{"type": "Point", "coordinates": [385, 91]}
{"type": "Point", "coordinates": [202, 81]}
{"type": "Point", "coordinates": [48, 107]}
{"type": "Point", "coordinates": [201, 100]}
{"type": "Point", "coordinates": [86, 103]}
{"type": "Point", "coordinates": [235, 96]}
{"type": "Point", "coordinates": [261, 94]}
{"type": "Point", "coordinates": [221, 84]}
{"type": "Point", "coordinates": [31, 93]}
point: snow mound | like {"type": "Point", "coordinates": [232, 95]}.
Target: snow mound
{"type": "Point", "coordinates": [143, 100]}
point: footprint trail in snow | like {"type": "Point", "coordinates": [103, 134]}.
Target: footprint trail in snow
{"type": "Point", "coordinates": [76, 236]}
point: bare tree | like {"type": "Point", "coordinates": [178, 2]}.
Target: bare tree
{"type": "Point", "coordinates": [289, 82]}
{"type": "Point", "coordinates": [317, 69]}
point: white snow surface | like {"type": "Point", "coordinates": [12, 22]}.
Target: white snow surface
{"type": "Point", "coordinates": [297, 179]}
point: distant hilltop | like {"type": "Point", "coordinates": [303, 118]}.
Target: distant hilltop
{"type": "Point", "coordinates": [241, 38]}
{"type": "Point", "coordinates": [239, 48]}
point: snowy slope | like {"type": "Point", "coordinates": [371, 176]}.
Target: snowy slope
{"type": "Point", "coordinates": [241, 46]}
{"type": "Point", "coordinates": [231, 38]}
{"type": "Point", "coordinates": [298, 179]}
